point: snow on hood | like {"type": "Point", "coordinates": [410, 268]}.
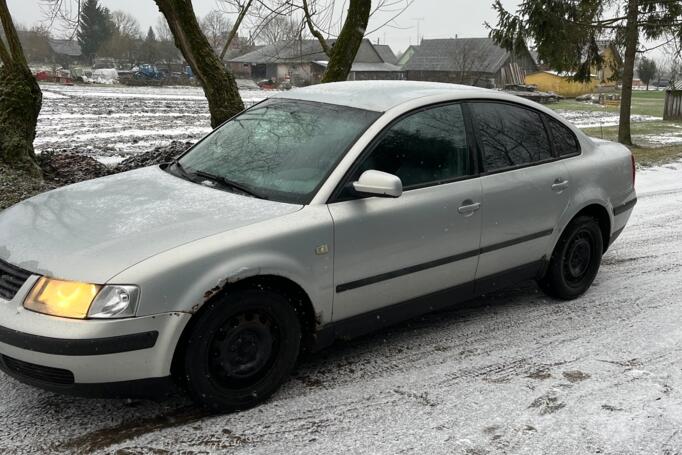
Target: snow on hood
{"type": "Point", "coordinates": [93, 230]}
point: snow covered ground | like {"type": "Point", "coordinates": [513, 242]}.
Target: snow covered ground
{"type": "Point", "coordinates": [513, 372]}
{"type": "Point", "coordinates": [596, 119]}
{"type": "Point", "coordinates": [114, 121]}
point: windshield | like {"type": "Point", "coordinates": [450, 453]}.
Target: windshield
{"type": "Point", "coordinates": [280, 149]}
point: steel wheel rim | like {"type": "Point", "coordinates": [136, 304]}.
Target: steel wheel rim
{"type": "Point", "coordinates": [578, 257]}
{"type": "Point", "coordinates": [243, 349]}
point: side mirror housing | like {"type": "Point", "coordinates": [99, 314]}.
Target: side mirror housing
{"type": "Point", "coordinates": [377, 183]}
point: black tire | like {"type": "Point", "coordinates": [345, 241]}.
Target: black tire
{"type": "Point", "coordinates": [241, 349]}
{"type": "Point", "coordinates": [575, 261]}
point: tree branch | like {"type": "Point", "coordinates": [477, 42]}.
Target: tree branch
{"type": "Point", "coordinates": [235, 28]}
{"type": "Point", "coordinates": [316, 33]}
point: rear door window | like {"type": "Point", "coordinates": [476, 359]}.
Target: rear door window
{"type": "Point", "coordinates": [565, 142]}
{"type": "Point", "coordinates": [510, 135]}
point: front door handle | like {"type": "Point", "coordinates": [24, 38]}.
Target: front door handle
{"type": "Point", "coordinates": [560, 185]}
{"type": "Point", "coordinates": [469, 207]}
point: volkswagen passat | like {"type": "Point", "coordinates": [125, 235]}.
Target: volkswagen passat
{"type": "Point", "coordinates": [319, 213]}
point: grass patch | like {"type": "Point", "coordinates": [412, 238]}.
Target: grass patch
{"type": "Point", "coordinates": [640, 132]}
{"type": "Point", "coordinates": [643, 103]}
{"type": "Point", "coordinates": [656, 156]}
{"type": "Point", "coordinates": [647, 153]}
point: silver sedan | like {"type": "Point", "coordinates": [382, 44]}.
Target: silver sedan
{"type": "Point", "coordinates": [320, 213]}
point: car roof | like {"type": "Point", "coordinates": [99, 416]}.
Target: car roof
{"type": "Point", "coordinates": [379, 96]}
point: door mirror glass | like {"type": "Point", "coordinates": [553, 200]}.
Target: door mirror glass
{"type": "Point", "coordinates": [377, 183]}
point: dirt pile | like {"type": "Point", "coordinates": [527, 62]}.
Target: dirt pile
{"type": "Point", "coordinates": [65, 167]}
{"type": "Point", "coordinates": [157, 156]}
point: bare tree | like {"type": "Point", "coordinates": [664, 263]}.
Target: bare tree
{"type": "Point", "coordinates": [216, 26]}
{"type": "Point", "coordinates": [279, 28]}
{"type": "Point", "coordinates": [342, 54]}
{"type": "Point", "coordinates": [62, 15]}
{"type": "Point", "coordinates": [346, 23]}
{"type": "Point", "coordinates": [125, 24]}
{"type": "Point", "coordinates": [218, 83]}
{"type": "Point", "coordinates": [168, 53]}
{"type": "Point", "coordinates": [467, 59]}
{"type": "Point", "coordinates": [20, 100]}
{"type": "Point", "coordinates": [124, 40]}
{"type": "Point", "coordinates": [35, 42]}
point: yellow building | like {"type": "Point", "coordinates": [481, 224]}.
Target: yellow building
{"type": "Point", "coordinates": [561, 84]}
{"type": "Point", "coordinates": [611, 66]}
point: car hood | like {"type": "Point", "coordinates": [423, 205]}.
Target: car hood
{"type": "Point", "coordinates": [93, 230]}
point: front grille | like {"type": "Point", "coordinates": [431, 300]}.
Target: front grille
{"type": "Point", "coordinates": [12, 278]}
{"type": "Point", "coordinates": [37, 372]}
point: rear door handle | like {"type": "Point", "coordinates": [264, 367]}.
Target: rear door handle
{"type": "Point", "coordinates": [469, 207]}
{"type": "Point", "coordinates": [560, 185]}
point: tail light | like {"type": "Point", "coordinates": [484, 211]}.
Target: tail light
{"type": "Point", "coordinates": [632, 158]}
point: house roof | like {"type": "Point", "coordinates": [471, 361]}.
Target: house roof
{"type": "Point", "coordinates": [231, 54]}
{"type": "Point", "coordinates": [407, 55]}
{"type": "Point", "coordinates": [65, 47]}
{"type": "Point", "coordinates": [386, 53]}
{"type": "Point", "coordinates": [359, 67]}
{"type": "Point", "coordinates": [285, 52]}
{"type": "Point", "coordinates": [303, 51]}
{"type": "Point", "coordinates": [459, 54]}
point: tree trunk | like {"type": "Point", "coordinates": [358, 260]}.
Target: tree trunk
{"type": "Point", "coordinates": [631, 40]}
{"type": "Point", "coordinates": [343, 53]}
{"type": "Point", "coordinates": [20, 101]}
{"type": "Point", "coordinates": [219, 84]}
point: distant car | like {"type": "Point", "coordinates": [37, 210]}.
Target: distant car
{"type": "Point", "coordinates": [320, 213]}
{"type": "Point", "coordinates": [267, 84]}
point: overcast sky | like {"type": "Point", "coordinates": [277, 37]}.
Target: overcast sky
{"type": "Point", "coordinates": [436, 18]}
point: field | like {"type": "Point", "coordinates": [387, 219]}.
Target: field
{"type": "Point", "coordinates": [656, 141]}
{"type": "Point", "coordinates": [112, 122]}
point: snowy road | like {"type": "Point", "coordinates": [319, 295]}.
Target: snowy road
{"type": "Point", "coordinates": [510, 373]}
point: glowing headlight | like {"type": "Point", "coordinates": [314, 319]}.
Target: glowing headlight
{"type": "Point", "coordinates": [71, 299]}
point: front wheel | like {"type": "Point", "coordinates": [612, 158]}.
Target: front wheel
{"type": "Point", "coordinates": [241, 349]}
{"type": "Point", "coordinates": [575, 261]}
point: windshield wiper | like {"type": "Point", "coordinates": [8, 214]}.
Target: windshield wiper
{"type": "Point", "coordinates": [184, 172]}
{"type": "Point", "coordinates": [229, 183]}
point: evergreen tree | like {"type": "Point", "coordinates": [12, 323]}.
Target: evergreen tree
{"type": "Point", "coordinates": [567, 35]}
{"type": "Point", "coordinates": [150, 47]}
{"type": "Point", "coordinates": [94, 28]}
{"type": "Point", "coordinates": [646, 69]}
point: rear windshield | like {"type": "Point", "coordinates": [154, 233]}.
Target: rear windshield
{"type": "Point", "coordinates": [281, 149]}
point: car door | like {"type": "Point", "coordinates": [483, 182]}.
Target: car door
{"type": "Point", "coordinates": [390, 250]}
{"type": "Point", "coordinates": [525, 191]}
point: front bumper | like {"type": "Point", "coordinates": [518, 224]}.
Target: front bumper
{"type": "Point", "coordinates": [87, 357]}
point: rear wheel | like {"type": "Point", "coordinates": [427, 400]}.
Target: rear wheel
{"type": "Point", "coordinates": [575, 261]}
{"type": "Point", "coordinates": [241, 349]}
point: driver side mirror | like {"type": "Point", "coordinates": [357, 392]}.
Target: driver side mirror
{"type": "Point", "coordinates": [377, 183]}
